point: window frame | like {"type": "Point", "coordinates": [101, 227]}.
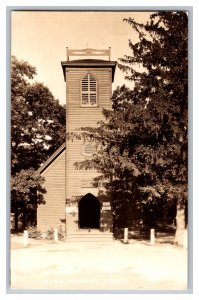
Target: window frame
{"type": "Point", "coordinates": [89, 92]}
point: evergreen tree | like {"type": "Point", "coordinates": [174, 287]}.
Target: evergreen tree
{"type": "Point", "coordinates": [143, 145]}
{"type": "Point", "coordinates": [162, 53]}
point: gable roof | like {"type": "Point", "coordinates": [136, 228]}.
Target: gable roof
{"type": "Point", "coordinates": [52, 158]}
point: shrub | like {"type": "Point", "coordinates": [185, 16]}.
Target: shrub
{"type": "Point", "coordinates": [50, 234]}
{"type": "Point", "coordinates": [60, 233]}
{"type": "Point", "coordinates": [34, 233]}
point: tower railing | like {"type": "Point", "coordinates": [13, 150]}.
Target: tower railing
{"type": "Point", "coordinates": [88, 52]}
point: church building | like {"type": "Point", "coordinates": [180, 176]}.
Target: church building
{"type": "Point", "coordinates": [74, 200]}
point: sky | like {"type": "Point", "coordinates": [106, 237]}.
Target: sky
{"type": "Point", "coordinates": [41, 38]}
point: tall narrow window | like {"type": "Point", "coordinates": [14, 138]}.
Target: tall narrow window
{"type": "Point", "coordinates": [89, 91]}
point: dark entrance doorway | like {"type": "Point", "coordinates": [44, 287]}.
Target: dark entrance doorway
{"type": "Point", "coordinates": [89, 212]}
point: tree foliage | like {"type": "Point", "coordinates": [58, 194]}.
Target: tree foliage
{"type": "Point", "coordinates": [37, 130]}
{"type": "Point", "coordinates": [25, 181]}
{"type": "Point", "coordinates": [143, 145]}
{"type": "Point", "coordinates": [162, 51]}
{"type": "Point", "coordinates": [27, 192]}
{"type": "Point", "coordinates": [37, 119]}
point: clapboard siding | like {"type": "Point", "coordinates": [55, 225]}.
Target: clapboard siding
{"type": "Point", "coordinates": [77, 117]}
{"type": "Point", "coordinates": [62, 179]}
{"type": "Point", "coordinates": [51, 214]}
{"type": "Point", "coordinates": [71, 222]}
{"type": "Point", "coordinates": [74, 77]}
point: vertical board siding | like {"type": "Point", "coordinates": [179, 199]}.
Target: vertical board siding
{"type": "Point", "coordinates": [52, 214]}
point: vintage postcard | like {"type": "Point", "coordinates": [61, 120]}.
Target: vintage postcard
{"type": "Point", "coordinates": [99, 150]}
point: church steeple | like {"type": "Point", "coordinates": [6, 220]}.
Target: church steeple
{"type": "Point", "coordinates": [88, 92]}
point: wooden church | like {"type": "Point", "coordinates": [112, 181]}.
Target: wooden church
{"type": "Point", "coordinates": [73, 201]}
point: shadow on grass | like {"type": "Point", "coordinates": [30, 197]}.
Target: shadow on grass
{"type": "Point", "coordinates": [163, 235]}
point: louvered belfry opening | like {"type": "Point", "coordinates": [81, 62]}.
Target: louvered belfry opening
{"type": "Point", "coordinates": [89, 91]}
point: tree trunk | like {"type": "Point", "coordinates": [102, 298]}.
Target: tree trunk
{"type": "Point", "coordinates": [24, 217]}
{"type": "Point", "coordinates": [16, 218]}
{"type": "Point", "coordinates": [180, 225]}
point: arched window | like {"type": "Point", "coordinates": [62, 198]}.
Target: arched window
{"type": "Point", "coordinates": [89, 91]}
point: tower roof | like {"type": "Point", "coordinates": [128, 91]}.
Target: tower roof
{"type": "Point", "coordinates": [88, 63]}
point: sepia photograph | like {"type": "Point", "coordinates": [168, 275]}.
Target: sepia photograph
{"type": "Point", "coordinates": [99, 150]}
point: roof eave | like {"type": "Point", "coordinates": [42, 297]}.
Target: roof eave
{"type": "Point", "coordinates": [72, 64]}
{"type": "Point", "coordinates": [52, 158]}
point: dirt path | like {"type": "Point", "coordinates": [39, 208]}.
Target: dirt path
{"type": "Point", "coordinates": [112, 266]}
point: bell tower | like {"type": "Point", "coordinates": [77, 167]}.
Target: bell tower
{"type": "Point", "coordinates": [88, 92]}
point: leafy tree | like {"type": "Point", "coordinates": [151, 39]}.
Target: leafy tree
{"type": "Point", "coordinates": [26, 193]}
{"type": "Point", "coordinates": [142, 147]}
{"type": "Point", "coordinates": [37, 119]}
{"type": "Point", "coordinates": [37, 130]}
